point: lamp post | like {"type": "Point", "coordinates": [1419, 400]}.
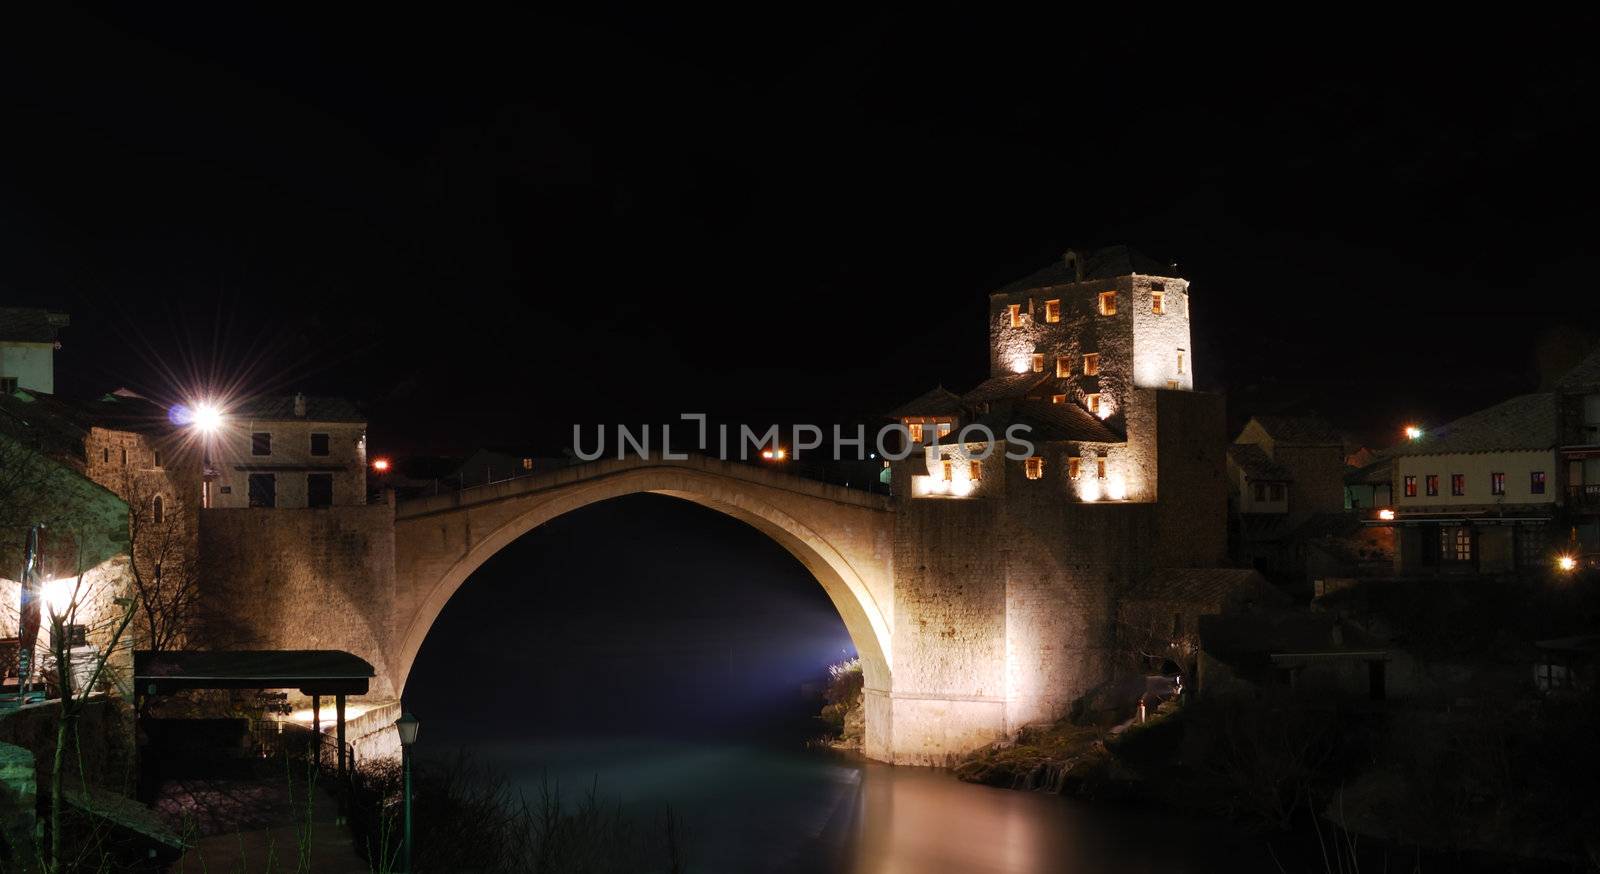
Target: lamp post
{"type": "Point", "coordinates": [406, 725]}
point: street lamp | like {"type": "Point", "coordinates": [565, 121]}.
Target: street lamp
{"type": "Point", "coordinates": [406, 725]}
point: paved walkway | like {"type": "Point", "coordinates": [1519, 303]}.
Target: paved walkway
{"type": "Point", "coordinates": [266, 841]}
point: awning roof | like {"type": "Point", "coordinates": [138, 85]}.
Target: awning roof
{"type": "Point", "coordinates": [311, 671]}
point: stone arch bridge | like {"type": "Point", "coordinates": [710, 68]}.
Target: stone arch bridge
{"type": "Point", "coordinates": [970, 619]}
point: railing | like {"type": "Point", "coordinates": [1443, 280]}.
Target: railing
{"type": "Point", "coordinates": [1586, 495]}
{"type": "Point", "coordinates": [855, 477]}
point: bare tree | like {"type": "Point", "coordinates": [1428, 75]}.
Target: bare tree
{"type": "Point", "coordinates": [162, 537]}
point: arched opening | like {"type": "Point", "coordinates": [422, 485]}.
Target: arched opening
{"type": "Point", "coordinates": [638, 616]}
{"type": "Point", "coordinates": [847, 560]}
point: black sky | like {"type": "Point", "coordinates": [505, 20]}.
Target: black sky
{"type": "Point", "coordinates": [494, 225]}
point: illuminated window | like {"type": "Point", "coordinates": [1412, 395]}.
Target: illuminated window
{"type": "Point", "coordinates": [1497, 483]}
{"type": "Point", "coordinates": [1058, 399]}
{"type": "Point", "coordinates": [1455, 542]}
{"type": "Point", "coordinates": [1100, 468]}
{"type": "Point", "coordinates": [158, 510]}
{"type": "Point", "coordinates": [1063, 365]}
{"type": "Point", "coordinates": [1157, 302]}
{"type": "Point", "coordinates": [1108, 303]}
{"type": "Point", "coordinates": [949, 470]}
{"type": "Point", "coordinates": [1093, 403]}
{"type": "Point", "coordinates": [1411, 487]}
{"type": "Point", "coordinates": [1052, 310]}
{"type": "Point", "coordinates": [319, 444]}
{"type": "Point", "coordinates": [527, 464]}
{"type": "Point", "coordinates": [1458, 484]}
{"type": "Point", "coordinates": [975, 471]}
{"type": "Point", "coordinates": [260, 443]}
{"type": "Point", "coordinates": [1016, 315]}
{"type": "Point", "coordinates": [916, 431]}
{"type": "Point", "coordinates": [1536, 483]}
{"type": "Point", "coordinates": [1180, 361]}
{"type": "Point", "coordinates": [1072, 467]}
{"type": "Point", "coordinates": [944, 428]}
{"type": "Point", "coordinates": [1091, 364]}
{"type": "Point", "coordinates": [1034, 467]}
{"type": "Point", "coordinates": [1038, 362]}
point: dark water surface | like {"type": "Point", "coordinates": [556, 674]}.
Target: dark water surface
{"type": "Point", "coordinates": [749, 808]}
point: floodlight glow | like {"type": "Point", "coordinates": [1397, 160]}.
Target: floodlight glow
{"type": "Point", "coordinates": [1386, 515]}
{"type": "Point", "coordinates": [205, 418]}
{"type": "Point", "coordinates": [381, 465]}
{"type": "Point", "coordinates": [1567, 563]}
{"type": "Point", "coordinates": [58, 594]}
{"type": "Point", "coordinates": [1413, 432]}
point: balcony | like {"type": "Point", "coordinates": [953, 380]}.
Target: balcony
{"type": "Point", "coordinates": [1586, 496]}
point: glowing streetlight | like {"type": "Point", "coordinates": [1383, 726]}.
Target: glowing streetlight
{"type": "Point", "coordinates": [1386, 515]}
{"type": "Point", "coordinates": [406, 726]}
{"type": "Point", "coordinates": [380, 465]}
{"type": "Point", "coordinates": [57, 596]}
{"type": "Point", "coordinates": [1566, 563]}
{"type": "Point", "coordinates": [1413, 432]}
{"type": "Point", "coordinates": [206, 418]}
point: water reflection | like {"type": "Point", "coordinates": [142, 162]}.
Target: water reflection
{"type": "Point", "coordinates": [755, 810]}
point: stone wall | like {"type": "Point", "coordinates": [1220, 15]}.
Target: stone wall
{"type": "Point", "coordinates": [301, 579]}
{"type": "Point", "coordinates": [1191, 486]}
{"type": "Point", "coordinates": [290, 461]}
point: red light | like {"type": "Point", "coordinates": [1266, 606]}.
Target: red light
{"type": "Point", "coordinates": [381, 465]}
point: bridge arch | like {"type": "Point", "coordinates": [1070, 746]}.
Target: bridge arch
{"type": "Point", "coordinates": [841, 537]}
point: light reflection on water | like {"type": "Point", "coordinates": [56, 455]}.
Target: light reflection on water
{"type": "Point", "coordinates": [749, 809]}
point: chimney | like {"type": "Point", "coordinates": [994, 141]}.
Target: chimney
{"type": "Point", "coordinates": [1074, 261]}
{"type": "Point", "coordinates": [300, 405]}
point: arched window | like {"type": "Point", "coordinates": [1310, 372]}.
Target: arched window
{"type": "Point", "coordinates": [157, 509]}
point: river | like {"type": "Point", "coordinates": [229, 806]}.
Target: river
{"type": "Point", "coordinates": [753, 808]}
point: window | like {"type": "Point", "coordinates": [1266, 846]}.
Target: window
{"type": "Point", "coordinates": [1458, 484]}
{"type": "Point", "coordinates": [1016, 315]}
{"type": "Point", "coordinates": [949, 471]}
{"type": "Point", "coordinates": [8, 385]}
{"type": "Point", "coordinates": [263, 490]}
{"type": "Point", "coordinates": [1411, 487]}
{"type": "Point", "coordinates": [1038, 362]}
{"type": "Point", "coordinates": [1063, 365]}
{"type": "Point", "coordinates": [527, 464]}
{"type": "Point", "coordinates": [1072, 467]}
{"type": "Point", "coordinates": [1093, 403]}
{"type": "Point", "coordinates": [975, 471]}
{"type": "Point", "coordinates": [319, 444]}
{"type": "Point", "coordinates": [1158, 286]}
{"type": "Point", "coordinates": [158, 458]}
{"type": "Point", "coordinates": [1276, 492]}
{"type": "Point", "coordinates": [916, 431]}
{"type": "Point", "coordinates": [124, 456]}
{"type": "Point", "coordinates": [1433, 484]}
{"type": "Point", "coordinates": [157, 510]}
{"type": "Point", "coordinates": [1180, 361]}
{"type": "Point", "coordinates": [1100, 468]}
{"type": "Point", "coordinates": [319, 490]}
{"type": "Point", "coordinates": [105, 454]}
{"type": "Point", "coordinates": [1033, 466]}
{"type": "Point", "coordinates": [1052, 310]}
{"type": "Point", "coordinates": [1108, 303]}
{"type": "Point", "coordinates": [1549, 676]}
{"type": "Point", "coordinates": [1536, 483]}
{"type": "Point", "coordinates": [1158, 302]}
{"type": "Point", "coordinates": [1261, 492]}
{"type": "Point", "coordinates": [1058, 399]}
{"type": "Point", "coordinates": [944, 428]}
{"type": "Point", "coordinates": [1497, 483]}
{"type": "Point", "coordinates": [1455, 542]}
{"type": "Point", "coordinates": [260, 443]}
{"type": "Point", "coordinates": [1091, 364]}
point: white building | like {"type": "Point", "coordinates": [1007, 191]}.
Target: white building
{"type": "Point", "coordinates": [291, 452]}
{"type": "Point", "coordinates": [28, 347]}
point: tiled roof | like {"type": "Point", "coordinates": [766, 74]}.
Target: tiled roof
{"type": "Point", "coordinates": [30, 324]}
{"type": "Point", "coordinates": [1211, 587]}
{"type": "Point", "coordinates": [1375, 473]}
{"type": "Point", "coordinates": [1256, 465]}
{"type": "Point", "coordinates": [1523, 422]}
{"type": "Point", "coordinates": [1585, 376]}
{"type": "Point", "coordinates": [938, 401]}
{"type": "Point", "coordinates": [1012, 385]}
{"type": "Point", "coordinates": [1300, 430]}
{"type": "Point", "coordinates": [1106, 263]}
{"type": "Point", "coordinates": [318, 409]}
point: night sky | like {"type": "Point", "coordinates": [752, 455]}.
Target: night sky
{"type": "Point", "coordinates": [493, 227]}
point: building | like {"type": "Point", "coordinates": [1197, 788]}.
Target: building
{"type": "Point", "coordinates": [1288, 464]}
{"type": "Point", "coordinates": [1479, 495]}
{"type": "Point", "coordinates": [28, 343]}
{"type": "Point", "coordinates": [292, 451]}
{"type": "Point", "coordinates": [1579, 392]}
{"type": "Point", "coordinates": [1084, 464]}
